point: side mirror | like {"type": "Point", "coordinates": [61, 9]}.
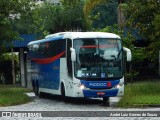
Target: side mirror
{"type": "Point", "coordinates": [73, 54]}
{"type": "Point", "coordinates": [128, 51]}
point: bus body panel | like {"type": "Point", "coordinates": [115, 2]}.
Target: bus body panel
{"type": "Point", "coordinates": [49, 75]}
{"type": "Point", "coordinates": [50, 91]}
{"type": "Point", "coordinates": [65, 79]}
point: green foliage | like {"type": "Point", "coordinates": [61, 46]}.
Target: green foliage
{"type": "Point", "coordinates": [73, 15]}
{"type": "Point", "coordinates": [144, 16]}
{"type": "Point", "coordinates": [139, 54]}
{"type": "Point", "coordinates": [47, 18]}
{"type": "Point", "coordinates": [104, 14]}
{"type": "Point", "coordinates": [131, 76]}
{"type": "Point", "coordinates": [8, 57]}
{"type": "Point", "coordinates": [88, 7]}
{"type": "Point", "coordinates": [10, 11]}
{"type": "Point", "coordinates": [139, 94]}
{"type": "Point", "coordinates": [53, 18]}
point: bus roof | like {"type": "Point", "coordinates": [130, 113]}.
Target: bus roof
{"type": "Point", "coordinates": [75, 35]}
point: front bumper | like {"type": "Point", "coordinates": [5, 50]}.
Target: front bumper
{"type": "Point", "coordinates": [100, 93]}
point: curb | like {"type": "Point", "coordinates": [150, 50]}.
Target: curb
{"type": "Point", "coordinates": [146, 105]}
{"type": "Point", "coordinates": [30, 94]}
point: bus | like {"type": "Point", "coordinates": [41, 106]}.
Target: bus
{"type": "Point", "coordinates": [78, 64]}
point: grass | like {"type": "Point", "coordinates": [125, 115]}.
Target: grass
{"type": "Point", "coordinates": [136, 95]}
{"type": "Point", "coordinates": [13, 95]}
{"type": "Point", "coordinates": [141, 94]}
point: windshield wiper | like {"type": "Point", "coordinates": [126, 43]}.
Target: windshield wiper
{"type": "Point", "coordinates": [119, 53]}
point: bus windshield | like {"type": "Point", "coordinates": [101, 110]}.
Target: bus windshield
{"type": "Point", "coordinates": [98, 58]}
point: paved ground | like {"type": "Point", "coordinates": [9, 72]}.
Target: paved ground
{"type": "Point", "coordinates": [77, 109]}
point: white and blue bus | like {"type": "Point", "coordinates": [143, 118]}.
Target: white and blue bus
{"type": "Point", "coordinates": [78, 64]}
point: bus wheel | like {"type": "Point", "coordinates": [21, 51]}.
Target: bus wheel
{"type": "Point", "coordinates": [36, 89]}
{"type": "Point", "coordinates": [62, 90]}
{"type": "Point", "coordinates": [63, 93]}
{"type": "Point", "coordinates": [106, 101]}
{"type": "Point", "coordinates": [33, 86]}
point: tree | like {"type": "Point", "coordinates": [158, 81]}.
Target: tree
{"type": "Point", "coordinates": [8, 72]}
{"type": "Point", "coordinates": [26, 23]}
{"type": "Point", "coordinates": [105, 14]}
{"type": "Point", "coordinates": [66, 17]}
{"type": "Point", "coordinates": [143, 16]}
{"type": "Point", "coordinates": [11, 10]}
{"type": "Point", "coordinates": [88, 7]}
{"type": "Point", "coordinates": [73, 15]}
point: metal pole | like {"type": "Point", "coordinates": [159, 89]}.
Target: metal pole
{"type": "Point", "coordinates": [22, 68]}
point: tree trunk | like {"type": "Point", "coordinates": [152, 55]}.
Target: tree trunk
{"type": "Point", "coordinates": [121, 17]}
{"type": "Point", "coordinates": [13, 68]}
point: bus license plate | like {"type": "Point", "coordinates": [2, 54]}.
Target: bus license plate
{"type": "Point", "coordinates": [100, 93]}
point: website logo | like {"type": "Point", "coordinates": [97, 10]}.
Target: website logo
{"type": "Point", "coordinates": [6, 114]}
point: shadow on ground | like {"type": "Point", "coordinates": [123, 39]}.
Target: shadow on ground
{"type": "Point", "coordinates": [82, 101]}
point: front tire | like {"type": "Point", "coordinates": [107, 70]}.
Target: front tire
{"type": "Point", "coordinates": [62, 90]}
{"type": "Point", "coordinates": [106, 101]}
{"type": "Point", "coordinates": [63, 93]}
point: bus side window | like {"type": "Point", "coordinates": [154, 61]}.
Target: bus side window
{"type": "Point", "coordinates": [69, 62]}
{"type": "Point", "coordinates": [52, 49]}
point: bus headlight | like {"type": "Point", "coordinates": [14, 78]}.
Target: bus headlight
{"type": "Point", "coordinates": [119, 85]}
{"type": "Point", "coordinates": [82, 86]}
